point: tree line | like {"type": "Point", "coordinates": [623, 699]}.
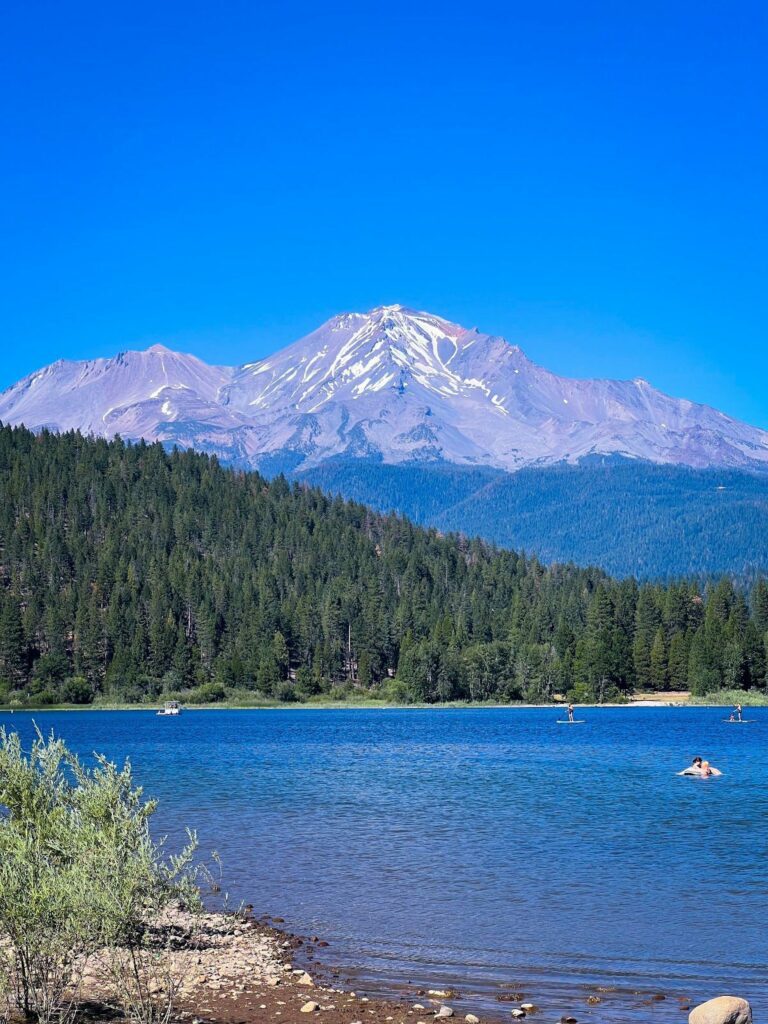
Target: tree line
{"type": "Point", "coordinates": [631, 518]}
{"type": "Point", "coordinates": [128, 572]}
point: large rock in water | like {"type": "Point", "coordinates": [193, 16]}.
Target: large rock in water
{"type": "Point", "coordinates": [723, 1010]}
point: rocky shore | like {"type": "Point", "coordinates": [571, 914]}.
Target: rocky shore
{"type": "Point", "coordinates": [249, 971]}
{"type": "Point", "coordinates": [236, 969]}
{"type": "Point", "coordinates": [246, 971]}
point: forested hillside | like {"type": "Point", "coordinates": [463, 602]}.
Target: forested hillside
{"type": "Point", "coordinates": [127, 572]}
{"type": "Point", "coordinates": [630, 518]}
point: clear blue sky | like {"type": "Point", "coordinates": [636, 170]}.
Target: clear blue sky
{"type": "Point", "coordinates": [588, 179]}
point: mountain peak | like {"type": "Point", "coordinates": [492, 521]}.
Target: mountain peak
{"type": "Point", "coordinates": [402, 314]}
{"type": "Point", "coordinates": [395, 308]}
{"type": "Point", "coordinates": [393, 384]}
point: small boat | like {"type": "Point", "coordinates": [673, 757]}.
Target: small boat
{"type": "Point", "coordinates": [172, 707]}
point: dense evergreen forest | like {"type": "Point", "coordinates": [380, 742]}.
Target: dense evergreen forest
{"type": "Point", "coordinates": [630, 518]}
{"type": "Point", "coordinates": [130, 573]}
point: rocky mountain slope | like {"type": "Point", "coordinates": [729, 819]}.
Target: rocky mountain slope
{"type": "Point", "coordinates": [392, 385]}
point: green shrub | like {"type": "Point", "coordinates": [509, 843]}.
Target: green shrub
{"type": "Point", "coordinates": [286, 693]}
{"type": "Point", "coordinates": [77, 690]}
{"type": "Point", "coordinates": [208, 693]}
{"type": "Point", "coordinates": [340, 692]}
{"type": "Point", "coordinates": [45, 697]}
{"type": "Point", "coordinates": [79, 872]}
{"type": "Point", "coordinates": [395, 691]}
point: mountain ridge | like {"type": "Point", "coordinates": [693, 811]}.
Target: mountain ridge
{"type": "Point", "coordinates": [628, 518]}
{"type": "Point", "coordinates": [393, 385]}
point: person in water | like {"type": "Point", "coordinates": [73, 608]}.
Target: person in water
{"type": "Point", "coordinates": [701, 767]}
{"type": "Point", "coordinates": [737, 709]}
{"type": "Point", "coordinates": [570, 712]}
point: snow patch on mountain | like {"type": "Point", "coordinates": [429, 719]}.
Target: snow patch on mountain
{"type": "Point", "coordinates": [393, 384]}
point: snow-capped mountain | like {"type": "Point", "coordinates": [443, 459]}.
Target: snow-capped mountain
{"type": "Point", "coordinates": [128, 394]}
{"type": "Point", "coordinates": [392, 385]}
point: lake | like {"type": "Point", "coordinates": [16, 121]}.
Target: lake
{"type": "Point", "coordinates": [479, 848]}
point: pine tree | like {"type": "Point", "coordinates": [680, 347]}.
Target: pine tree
{"type": "Point", "coordinates": [280, 654]}
{"type": "Point", "coordinates": [12, 649]}
{"type": "Point", "coordinates": [658, 669]}
{"type": "Point", "coordinates": [679, 651]}
{"type": "Point", "coordinates": [647, 621]}
{"type": "Point", "coordinates": [760, 605]}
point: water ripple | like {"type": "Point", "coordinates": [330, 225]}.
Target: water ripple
{"type": "Point", "coordinates": [474, 848]}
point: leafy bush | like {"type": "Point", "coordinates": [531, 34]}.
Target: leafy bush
{"type": "Point", "coordinates": [286, 693]}
{"type": "Point", "coordinates": [79, 872]}
{"type": "Point", "coordinates": [208, 693]}
{"type": "Point", "coordinates": [77, 690]}
{"type": "Point", "coordinates": [395, 691]}
{"type": "Point", "coordinates": [44, 697]}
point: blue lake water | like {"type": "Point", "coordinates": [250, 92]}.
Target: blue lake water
{"type": "Point", "coordinates": [478, 848]}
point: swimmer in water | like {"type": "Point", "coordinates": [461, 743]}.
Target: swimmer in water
{"type": "Point", "coordinates": [701, 768]}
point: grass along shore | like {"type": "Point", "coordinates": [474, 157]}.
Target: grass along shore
{"type": "Point", "coordinates": [719, 698]}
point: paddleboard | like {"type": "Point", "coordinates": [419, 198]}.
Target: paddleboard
{"type": "Point", "coordinates": [744, 721]}
{"type": "Point", "coordinates": [576, 721]}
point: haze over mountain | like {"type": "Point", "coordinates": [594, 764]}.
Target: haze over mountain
{"type": "Point", "coordinates": [391, 385]}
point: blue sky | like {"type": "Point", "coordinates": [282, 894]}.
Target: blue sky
{"type": "Point", "coordinates": [588, 179]}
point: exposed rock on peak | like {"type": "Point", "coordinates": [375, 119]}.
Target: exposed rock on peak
{"type": "Point", "coordinates": [393, 384]}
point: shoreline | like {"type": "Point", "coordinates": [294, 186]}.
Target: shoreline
{"type": "Point", "coordinates": [252, 971]}
{"type": "Point", "coordinates": [372, 706]}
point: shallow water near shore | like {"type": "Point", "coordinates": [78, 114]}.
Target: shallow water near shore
{"type": "Point", "coordinates": [479, 848]}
